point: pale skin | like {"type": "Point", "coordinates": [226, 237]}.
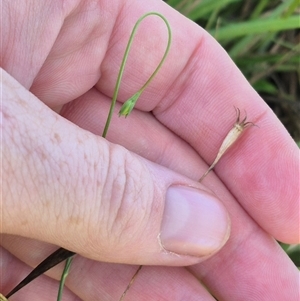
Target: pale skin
{"type": "Point", "coordinates": [66, 50]}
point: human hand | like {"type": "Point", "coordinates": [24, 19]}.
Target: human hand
{"type": "Point", "coordinates": [59, 178]}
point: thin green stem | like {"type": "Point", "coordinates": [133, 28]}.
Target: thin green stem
{"type": "Point", "coordinates": [164, 56]}
{"type": "Point", "coordinates": [63, 278]}
{"type": "Point", "coordinates": [121, 71]}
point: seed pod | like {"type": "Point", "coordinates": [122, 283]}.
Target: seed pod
{"type": "Point", "coordinates": [230, 138]}
{"type": "Point", "coordinates": [129, 104]}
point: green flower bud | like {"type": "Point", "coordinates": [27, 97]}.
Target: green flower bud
{"type": "Point", "coordinates": [129, 104]}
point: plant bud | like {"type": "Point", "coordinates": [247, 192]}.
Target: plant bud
{"type": "Point", "coordinates": [129, 104]}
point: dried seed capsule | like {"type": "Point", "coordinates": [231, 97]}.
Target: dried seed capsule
{"type": "Point", "coordinates": [230, 138]}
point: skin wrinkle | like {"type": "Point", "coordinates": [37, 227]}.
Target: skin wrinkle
{"type": "Point", "coordinates": [6, 195]}
{"type": "Point", "coordinates": [123, 200]}
{"type": "Point", "coordinates": [179, 84]}
{"type": "Point", "coordinates": [7, 42]}
{"type": "Point", "coordinates": [87, 169]}
{"type": "Point", "coordinates": [12, 128]}
{"type": "Point", "coordinates": [103, 207]}
{"type": "Point", "coordinates": [106, 206]}
{"type": "Point", "coordinates": [91, 166]}
{"type": "Point", "coordinates": [135, 203]}
{"type": "Point", "coordinates": [111, 192]}
{"type": "Point", "coordinates": [124, 210]}
{"type": "Point", "coordinates": [92, 210]}
{"type": "Point", "coordinates": [55, 178]}
{"type": "Point", "coordinates": [23, 31]}
{"type": "Point", "coordinates": [176, 89]}
{"type": "Point", "coordinates": [82, 190]}
{"type": "Point", "coordinates": [32, 37]}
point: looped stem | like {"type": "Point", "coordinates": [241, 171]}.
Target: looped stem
{"type": "Point", "coordinates": [114, 99]}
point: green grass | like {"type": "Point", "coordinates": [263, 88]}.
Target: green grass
{"type": "Point", "coordinates": [262, 37]}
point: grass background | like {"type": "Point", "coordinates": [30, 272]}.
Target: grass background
{"type": "Point", "coordinates": [263, 39]}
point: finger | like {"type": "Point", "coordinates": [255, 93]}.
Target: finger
{"type": "Point", "coordinates": [26, 47]}
{"type": "Point", "coordinates": [89, 279]}
{"type": "Point", "coordinates": [49, 42]}
{"type": "Point", "coordinates": [106, 203]}
{"type": "Point", "coordinates": [256, 270]}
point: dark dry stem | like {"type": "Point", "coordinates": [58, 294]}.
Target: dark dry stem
{"type": "Point", "coordinates": [52, 260]}
{"type": "Point", "coordinates": [130, 283]}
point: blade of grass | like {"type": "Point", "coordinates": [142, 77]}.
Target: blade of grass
{"type": "Point", "coordinates": [291, 9]}
{"type": "Point", "coordinates": [213, 18]}
{"type": "Point", "coordinates": [259, 8]}
{"type": "Point", "coordinates": [174, 3]}
{"type": "Point", "coordinates": [265, 86]}
{"type": "Point", "coordinates": [254, 27]}
{"type": "Point", "coordinates": [206, 7]}
{"type": "Point", "coordinates": [280, 9]}
{"type": "Point", "coordinates": [244, 45]}
{"type": "Point", "coordinates": [284, 58]}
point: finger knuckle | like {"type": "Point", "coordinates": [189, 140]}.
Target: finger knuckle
{"type": "Point", "coordinates": [126, 196]}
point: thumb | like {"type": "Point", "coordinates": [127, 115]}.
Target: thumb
{"type": "Point", "coordinates": [66, 186]}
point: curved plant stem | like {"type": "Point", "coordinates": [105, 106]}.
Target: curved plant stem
{"type": "Point", "coordinates": [116, 90]}
{"type": "Point", "coordinates": [165, 54]}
